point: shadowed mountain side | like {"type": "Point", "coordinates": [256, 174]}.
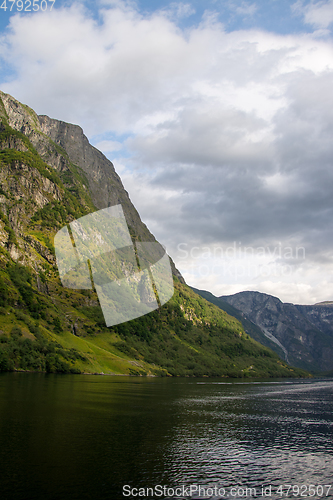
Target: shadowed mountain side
{"type": "Point", "coordinates": [305, 332]}
{"type": "Point", "coordinates": [320, 315]}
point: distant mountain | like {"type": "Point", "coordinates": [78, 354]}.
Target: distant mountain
{"type": "Point", "coordinates": [251, 328]}
{"type": "Point", "coordinates": [303, 333]}
{"type": "Point", "coordinates": [50, 176]}
{"type": "Point", "coordinates": [320, 315]}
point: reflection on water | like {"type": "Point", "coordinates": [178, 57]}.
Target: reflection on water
{"type": "Point", "coordinates": [255, 434]}
{"type": "Point", "coordinates": [85, 437]}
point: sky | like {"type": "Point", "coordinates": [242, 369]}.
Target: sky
{"type": "Point", "coordinates": [217, 115]}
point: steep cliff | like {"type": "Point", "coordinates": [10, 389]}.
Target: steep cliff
{"type": "Point", "coordinates": [65, 148]}
{"type": "Point", "coordinates": [50, 176]}
{"type": "Point", "coordinates": [320, 315]}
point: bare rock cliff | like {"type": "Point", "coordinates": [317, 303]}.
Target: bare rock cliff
{"type": "Point", "coordinates": [304, 332]}
{"type": "Point", "coordinates": [65, 148]}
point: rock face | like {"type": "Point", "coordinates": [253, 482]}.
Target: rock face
{"type": "Point", "coordinates": [105, 185]}
{"type": "Point", "coordinates": [305, 333]}
{"type": "Point", "coordinates": [65, 148]}
{"type": "Point", "coordinates": [320, 315]}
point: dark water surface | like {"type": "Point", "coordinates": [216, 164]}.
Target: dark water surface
{"type": "Point", "coordinates": [85, 437]}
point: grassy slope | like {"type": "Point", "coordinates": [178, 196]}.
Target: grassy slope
{"type": "Point", "coordinates": [187, 336]}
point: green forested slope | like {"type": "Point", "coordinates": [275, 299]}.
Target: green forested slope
{"type": "Point", "coordinates": [253, 330]}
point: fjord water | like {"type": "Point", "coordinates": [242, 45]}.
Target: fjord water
{"type": "Point", "coordinates": [67, 437]}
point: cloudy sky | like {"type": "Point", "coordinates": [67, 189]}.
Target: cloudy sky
{"type": "Point", "coordinates": [218, 116]}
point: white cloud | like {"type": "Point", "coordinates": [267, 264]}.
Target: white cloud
{"type": "Point", "coordinates": [179, 10]}
{"type": "Point", "coordinates": [318, 14]}
{"type": "Point", "coordinates": [246, 9]}
{"type": "Point", "coordinates": [230, 133]}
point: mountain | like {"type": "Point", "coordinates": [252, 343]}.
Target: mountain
{"type": "Point", "coordinates": [250, 328]}
{"type": "Point", "coordinates": [51, 176]}
{"type": "Point", "coordinates": [303, 333]}
{"type": "Point", "coordinates": [320, 315]}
